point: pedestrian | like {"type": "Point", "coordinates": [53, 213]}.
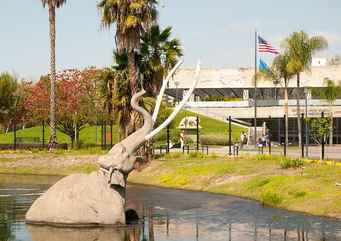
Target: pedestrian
{"type": "Point", "coordinates": [242, 139]}
{"type": "Point", "coordinates": [245, 139]}
{"type": "Point", "coordinates": [263, 140]}
{"type": "Point", "coordinates": [260, 142]}
{"type": "Point", "coordinates": [182, 139]}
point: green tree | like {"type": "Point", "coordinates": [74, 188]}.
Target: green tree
{"type": "Point", "coordinates": [279, 72]}
{"type": "Point", "coordinates": [8, 87]}
{"type": "Point", "coordinates": [301, 48]}
{"type": "Point", "coordinates": [107, 83]}
{"type": "Point", "coordinates": [12, 97]}
{"type": "Point", "coordinates": [329, 93]}
{"type": "Point", "coordinates": [319, 128]}
{"type": "Point", "coordinates": [159, 54]}
{"type": "Point", "coordinates": [52, 6]}
{"type": "Point", "coordinates": [131, 19]}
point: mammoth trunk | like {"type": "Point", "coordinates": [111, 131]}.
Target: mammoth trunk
{"type": "Point", "coordinates": [135, 140]}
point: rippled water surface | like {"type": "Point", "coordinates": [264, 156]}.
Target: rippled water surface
{"type": "Point", "coordinates": [170, 215]}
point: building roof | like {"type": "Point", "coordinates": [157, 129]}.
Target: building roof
{"type": "Point", "coordinates": [243, 78]}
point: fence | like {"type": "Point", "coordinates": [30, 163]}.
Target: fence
{"type": "Point", "coordinates": [273, 139]}
{"type": "Point", "coordinates": [25, 136]}
{"type": "Point", "coordinates": [182, 143]}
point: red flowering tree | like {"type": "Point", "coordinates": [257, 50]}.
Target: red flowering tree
{"type": "Point", "coordinates": [76, 100]}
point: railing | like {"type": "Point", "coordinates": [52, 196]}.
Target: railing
{"type": "Point", "coordinates": [261, 103]}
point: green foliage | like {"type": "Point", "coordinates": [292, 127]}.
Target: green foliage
{"type": "Point", "coordinates": [11, 98]}
{"type": "Point", "coordinates": [279, 70]}
{"type": "Point", "coordinates": [271, 198]}
{"type": "Point", "coordinates": [301, 48]}
{"type": "Point", "coordinates": [196, 155]}
{"type": "Point", "coordinates": [330, 92]}
{"type": "Point", "coordinates": [286, 163]}
{"type": "Point", "coordinates": [319, 128]}
{"type": "Point", "coordinates": [218, 140]}
{"type": "Point", "coordinates": [159, 54]}
{"type": "Point", "coordinates": [131, 19]}
{"type": "Point", "coordinates": [164, 113]}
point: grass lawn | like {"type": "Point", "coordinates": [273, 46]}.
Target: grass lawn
{"type": "Point", "coordinates": [311, 189]}
{"type": "Point", "coordinates": [90, 136]}
{"type": "Point", "coordinates": [87, 135]}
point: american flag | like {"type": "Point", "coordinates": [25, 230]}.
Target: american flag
{"type": "Point", "coordinates": [265, 47]}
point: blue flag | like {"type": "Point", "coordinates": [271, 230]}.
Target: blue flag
{"type": "Point", "coordinates": [263, 67]}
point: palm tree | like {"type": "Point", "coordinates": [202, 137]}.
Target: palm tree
{"type": "Point", "coordinates": [159, 54]}
{"type": "Point", "coordinates": [280, 72]}
{"type": "Point", "coordinates": [132, 19]}
{"type": "Point", "coordinates": [106, 80]}
{"type": "Point", "coordinates": [301, 48]}
{"type": "Point", "coordinates": [52, 6]}
{"type": "Point", "coordinates": [329, 93]}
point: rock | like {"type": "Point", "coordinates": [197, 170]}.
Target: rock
{"type": "Point", "coordinates": [79, 200]}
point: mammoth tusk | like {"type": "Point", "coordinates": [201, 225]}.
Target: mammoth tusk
{"type": "Point", "coordinates": [162, 90]}
{"type": "Point", "coordinates": [179, 107]}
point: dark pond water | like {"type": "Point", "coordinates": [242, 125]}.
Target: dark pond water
{"type": "Point", "coordinates": [170, 215]}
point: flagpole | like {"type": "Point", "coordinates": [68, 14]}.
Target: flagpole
{"type": "Point", "coordinates": [255, 90]}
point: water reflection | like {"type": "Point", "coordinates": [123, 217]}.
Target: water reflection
{"type": "Point", "coordinates": [58, 234]}
{"type": "Point", "coordinates": [171, 215]}
{"type": "Point", "coordinates": [5, 226]}
{"type": "Point", "coordinates": [163, 227]}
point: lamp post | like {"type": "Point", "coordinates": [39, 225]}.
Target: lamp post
{"type": "Point", "coordinates": [230, 135]}
{"type": "Point", "coordinates": [306, 92]}
{"type": "Point", "coordinates": [176, 82]}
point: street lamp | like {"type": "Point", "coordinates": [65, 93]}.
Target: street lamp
{"type": "Point", "coordinates": [177, 83]}
{"type": "Point", "coordinates": [306, 92]}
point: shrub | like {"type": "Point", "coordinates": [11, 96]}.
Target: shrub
{"type": "Point", "coordinates": [196, 155]}
{"type": "Point", "coordinates": [271, 198]}
{"type": "Point", "coordinates": [264, 157]}
{"type": "Point", "coordinates": [219, 140]}
{"type": "Point", "coordinates": [174, 155]}
{"type": "Point", "coordinates": [162, 136]}
{"type": "Point", "coordinates": [188, 141]}
{"type": "Point", "coordinates": [291, 163]}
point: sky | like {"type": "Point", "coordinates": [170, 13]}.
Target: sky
{"type": "Point", "coordinates": [218, 32]}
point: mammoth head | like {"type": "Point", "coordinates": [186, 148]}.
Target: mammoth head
{"type": "Point", "coordinates": [117, 164]}
{"type": "Point", "coordinates": [115, 158]}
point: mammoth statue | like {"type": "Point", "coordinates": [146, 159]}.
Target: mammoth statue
{"type": "Point", "coordinates": [98, 199]}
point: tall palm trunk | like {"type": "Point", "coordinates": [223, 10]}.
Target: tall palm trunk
{"type": "Point", "coordinates": [52, 22]}
{"type": "Point", "coordinates": [286, 111]}
{"type": "Point", "coordinates": [132, 72]}
{"type": "Point", "coordinates": [298, 110]}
